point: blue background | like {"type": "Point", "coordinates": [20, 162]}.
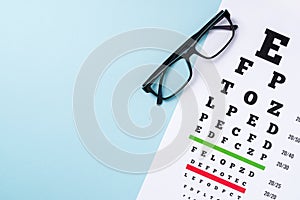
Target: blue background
{"type": "Point", "coordinates": [42, 46]}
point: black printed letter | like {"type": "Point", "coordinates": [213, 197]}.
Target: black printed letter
{"type": "Point", "coordinates": [268, 45]}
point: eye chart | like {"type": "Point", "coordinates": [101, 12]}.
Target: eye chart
{"type": "Point", "coordinates": [253, 151]}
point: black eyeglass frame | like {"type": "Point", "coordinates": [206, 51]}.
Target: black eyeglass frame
{"type": "Point", "coordinates": [185, 51]}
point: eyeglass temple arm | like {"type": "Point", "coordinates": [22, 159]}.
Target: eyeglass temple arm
{"type": "Point", "coordinates": [225, 27]}
{"type": "Point", "coordinates": [159, 93]}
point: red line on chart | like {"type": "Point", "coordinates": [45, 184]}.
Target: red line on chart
{"type": "Point", "coordinates": [215, 178]}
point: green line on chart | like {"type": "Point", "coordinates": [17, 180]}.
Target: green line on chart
{"type": "Point", "coordinates": [229, 153]}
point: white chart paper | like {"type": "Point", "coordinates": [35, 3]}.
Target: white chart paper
{"type": "Point", "coordinates": [256, 154]}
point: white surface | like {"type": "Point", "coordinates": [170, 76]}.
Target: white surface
{"type": "Point", "coordinates": [253, 17]}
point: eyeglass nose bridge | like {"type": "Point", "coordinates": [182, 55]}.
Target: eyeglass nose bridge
{"type": "Point", "coordinates": [191, 51]}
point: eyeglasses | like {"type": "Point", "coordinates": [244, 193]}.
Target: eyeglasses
{"type": "Point", "coordinates": [176, 71]}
